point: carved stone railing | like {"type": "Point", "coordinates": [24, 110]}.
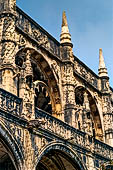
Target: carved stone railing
{"type": "Point", "coordinates": [103, 149]}
{"type": "Point", "coordinates": [87, 74]}
{"type": "Point", "coordinates": [10, 103]}
{"type": "Point", "coordinates": [35, 31]}
{"type": "Point", "coordinates": [70, 134]}
{"type": "Point", "coordinates": [59, 128]}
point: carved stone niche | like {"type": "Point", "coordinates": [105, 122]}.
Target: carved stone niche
{"type": "Point", "coordinates": [41, 89]}
{"type": "Point", "coordinates": [20, 59]}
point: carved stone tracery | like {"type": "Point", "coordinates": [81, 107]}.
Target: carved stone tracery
{"type": "Point", "coordinates": [47, 87]}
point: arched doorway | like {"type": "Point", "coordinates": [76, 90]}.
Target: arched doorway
{"type": "Point", "coordinates": [57, 156]}
{"type": "Point", "coordinates": [88, 117]}
{"type": "Point", "coordinates": [5, 158]}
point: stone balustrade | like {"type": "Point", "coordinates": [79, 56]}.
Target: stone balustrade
{"type": "Point", "coordinates": [10, 103]}
{"type": "Point", "coordinates": [36, 32]}
{"type": "Point", "coordinates": [75, 136]}
{"type": "Point", "coordinates": [103, 149]}
{"type": "Point", "coordinates": [61, 130]}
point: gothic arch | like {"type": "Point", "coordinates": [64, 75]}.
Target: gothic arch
{"type": "Point", "coordinates": [65, 153]}
{"type": "Point", "coordinates": [40, 58]}
{"type": "Point", "coordinates": [98, 127]}
{"type": "Point", "coordinates": [8, 142]}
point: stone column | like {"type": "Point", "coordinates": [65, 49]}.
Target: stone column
{"type": "Point", "coordinates": [29, 156]}
{"type": "Point", "coordinates": [68, 93]}
{"type": "Point", "coordinates": [108, 119]}
{"type": "Point", "coordinates": [26, 90]}
{"type": "Point", "coordinates": [68, 81]}
{"type": "Point", "coordinates": [8, 44]}
{"type": "Point", "coordinates": [91, 163]}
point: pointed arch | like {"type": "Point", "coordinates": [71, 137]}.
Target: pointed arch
{"type": "Point", "coordinates": [65, 153]}
{"type": "Point", "coordinates": [41, 60]}
{"type": "Point", "coordinates": [9, 142]}
{"type": "Point", "coordinates": [94, 110]}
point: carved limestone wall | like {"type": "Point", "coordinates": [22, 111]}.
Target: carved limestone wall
{"type": "Point", "coordinates": [49, 99]}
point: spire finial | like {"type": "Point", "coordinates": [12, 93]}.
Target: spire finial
{"type": "Point", "coordinates": [102, 68]}
{"type": "Point", "coordinates": [65, 36]}
{"type": "Point", "coordinates": [64, 19]}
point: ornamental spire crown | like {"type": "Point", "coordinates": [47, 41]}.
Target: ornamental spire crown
{"type": "Point", "coordinates": [65, 36]}
{"type": "Point", "coordinates": [102, 71]}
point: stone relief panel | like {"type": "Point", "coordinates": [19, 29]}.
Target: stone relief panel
{"type": "Point", "coordinates": [105, 85]}
{"type": "Point", "coordinates": [107, 108]}
{"type": "Point", "coordinates": [86, 74]}
{"type": "Point", "coordinates": [8, 50]}
{"type": "Point", "coordinates": [12, 4]}
{"type": "Point", "coordinates": [8, 40]}
{"type": "Point", "coordinates": [9, 28]}
{"type": "Point", "coordinates": [67, 75]}
{"type": "Point", "coordinates": [68, 96]}
{"type": "Point", "coordinates": [10, 103]}
{"type": "Point", "coordinates": [39, 143]}
{"type": "Point", "coordinates": [16, 131]}
{"type": "Point", "coordinates": [108, 121]}
{"type": "Point", "coordinates": [41, 39]}
{"type": "Point", "coordinates": [37, 33]}
{"type": "Point", "coordinates": [72, 135]}
{"type": "Point", "coordinates": [21, 41]}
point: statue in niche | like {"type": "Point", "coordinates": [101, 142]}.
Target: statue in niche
{"type": "Point", "coordinates": [42, 94]}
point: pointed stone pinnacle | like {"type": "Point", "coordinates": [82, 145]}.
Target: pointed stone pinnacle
{"type": "Point", "coordinates": [102, 68]}
{"type": "Point", "coordinates": [65, 36]}
{"type": "Point", "coordinates": [101, 59]}
{"type": "Point", "coordinates": [64, 19]}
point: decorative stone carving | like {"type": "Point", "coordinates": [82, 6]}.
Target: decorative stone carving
{"type": "Point", "coordinates": [10, 103]}
{"type": "Point", "coordinates": [8, 50]}
{"type": "Point", "coordinates": [42, 39]}
{"type": "Point", "coordinates": [8, 40]}
{"type": "Point", "coordinates": [32, 127]}
{"type": "Point", "coordinates": [35, 123]}
{"type": "Point", "coordinates": [107, 108]}
{"type": "Point", "coordinates": [85, 73]}
{"type": "Point", "coordinates": [21, 41]}
{"type": "Point", "coordinates": [56, 70]}
{"type": "Point", "coordinates": [28, 68]}
{"type": "Point", "coordinates": [12, 4]}
{"type": "Point", "coordinates": [37, 34]}
{"type": "Point", "coordinates": [9, 29]}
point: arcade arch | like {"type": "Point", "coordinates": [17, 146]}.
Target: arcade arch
{"type": "Point", "coordinates": [11, 156]}
{"type": "Point", "coordinates": [5, 158]}
{"type": "Point", "coordinates": [88, 118]}
{"type": "Point", "coordinates": [47, 94]}
{"type": "Point", "coordinates": [58, 156]}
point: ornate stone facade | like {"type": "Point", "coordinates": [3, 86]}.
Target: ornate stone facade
{"type": "Point", "coordinates": [55, 112]}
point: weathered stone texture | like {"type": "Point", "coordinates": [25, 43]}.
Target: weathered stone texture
{"type": "Point", "coordinates": [55, 112]}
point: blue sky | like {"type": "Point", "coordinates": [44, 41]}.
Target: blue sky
{"type": "Point", "coordinates": [90, 24]}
